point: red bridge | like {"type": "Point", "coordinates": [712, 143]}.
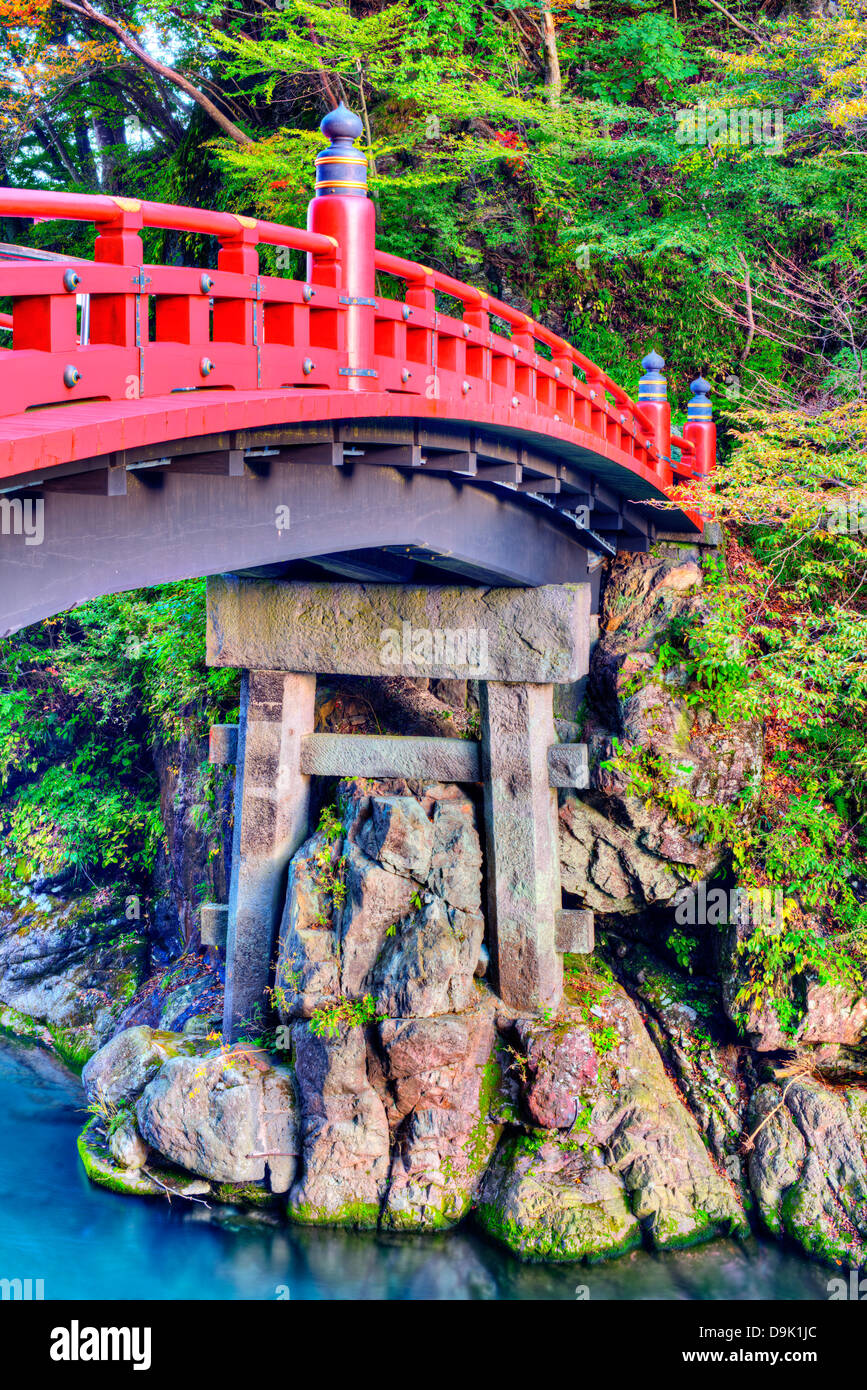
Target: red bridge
{"type": "Point", "coordinates": [161, 421]}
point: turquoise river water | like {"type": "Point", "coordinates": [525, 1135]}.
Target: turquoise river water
{"type": "Point", "coordinates": [86, 1243]}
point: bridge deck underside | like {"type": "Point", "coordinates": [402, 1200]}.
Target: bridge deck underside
{"type": "Point", "coordinates": [299, 485]}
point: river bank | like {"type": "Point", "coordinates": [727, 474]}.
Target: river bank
{"type": "Point", "coordinates": [86, 1243]}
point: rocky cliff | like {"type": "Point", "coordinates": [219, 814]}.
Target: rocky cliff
{"type": "Point", "coordinates": [395, 1090]}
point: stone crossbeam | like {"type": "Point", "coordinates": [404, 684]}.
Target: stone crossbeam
{"type": "Point", "coordinates": [383, 755]}
{"type": "Point", "coordinates": [534, 635]}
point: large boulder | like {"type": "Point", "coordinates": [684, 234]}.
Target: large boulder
{"type": "Point", "coordinates": [345, 1135]}
{"type": "Point", "coordinates": [550, 1201]}
{"type": "Point", "coordinates": [120, 1070]}
{"type": "Point", "coordinates": [632, 1159]}
{"type": "Point", "coordinates": [652, 1141]}
{"type": "Point", "coordinates": [622, 853]}
{"type": "Point", "coordinates": [807, 1166]}
{"type": "Point", "coordinates": [403, 923]}
{"type": "Point", "coordinates": [227, 1116]}
{"type": "Point", "coordinates": [442, 1080]}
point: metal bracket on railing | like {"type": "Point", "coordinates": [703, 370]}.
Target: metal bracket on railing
{"type": "Point", "coordinates": [140, 280]}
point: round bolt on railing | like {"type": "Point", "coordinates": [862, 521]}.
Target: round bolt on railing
{"type": "Point", "coordinates": [206, 283]}
{"type": "Point", "coordinates": [71, 280]}
{"type": "Point", "coordinates": [206, 366]}
{"type": "Point", "coordinates": [308, 365]}
{"type": "Point", "coordinates": [71, 376]}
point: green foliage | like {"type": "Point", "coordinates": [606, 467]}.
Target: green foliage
{"type": "Point", "coordinates": [781, 963]}
{"type": "Point", "coordinates": [649, 48]}
{"type": "Point", "coordinates": [684, 948]}
{"type": "Point", "coordinates": [81, 698]}
{"type": "Point", "coordinates": [330, 867]}
{"type": "Point", "coordinates": [330, 1020]}
{"type": "Point", "coordinates": [779, 638]}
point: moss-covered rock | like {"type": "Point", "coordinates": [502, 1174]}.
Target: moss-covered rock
{"type": "Point", "coordinates": [102, 1169]}
{"type": "Point", "coordinates": [633, 1162]}
{"type": "Point", "coordinates": [554, 1202]}
{"type": "Point", "coordinates": [808, 1167]}
{"type": "Point", "coordinates": [71, 964]}
{"type": "Point", "coordinates": [442, 1086]}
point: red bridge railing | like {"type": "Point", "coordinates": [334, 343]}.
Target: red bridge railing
{"type": "Point", "coordinates": [152, 330]}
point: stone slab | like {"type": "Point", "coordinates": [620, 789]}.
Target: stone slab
{"type": "Point", "coordinates": [575, 931]}
{"type": "Point", "coordinates": [381, 755]}
{"type": "Point", "coordinates": [223, 744]}
{"type": "Point", "coordinates": [214, 924]}
{"type": "Point", "coordinates": [710, 535]}
{"type": "Point", "coordinates": [536, 635]}
{"type": "Point", "coordinates": [568, 765]}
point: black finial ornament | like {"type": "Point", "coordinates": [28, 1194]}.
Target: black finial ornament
{"type": "Point", "coordinates": [341, 169]}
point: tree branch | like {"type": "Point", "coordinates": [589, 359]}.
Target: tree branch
{"type": "Point", "coordinates": [161, 69]}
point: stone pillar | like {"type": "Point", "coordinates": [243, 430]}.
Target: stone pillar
{"type": "Point", "coordinates": [523, 859]}
{"type": "Point", "coordinates": [272, 800]}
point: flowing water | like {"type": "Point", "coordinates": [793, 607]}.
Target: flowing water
{"type": "Point", "coordinates": [86, 1243]}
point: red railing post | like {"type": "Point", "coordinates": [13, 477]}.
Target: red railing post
{"type": "Point", "coordinates": [564, 375]}
{"type": "Point", "coordinates": [524, 349]}
{"type": "Point", "coordinates": [477, 317]}
{"type": "Point", "coordinates": [342, 210]}
{"type": "Point", "coordinates": [120, 318]}
{"type": "Point", "coordinates": [700, 430]}
{"type": "Point", "coordinates": [235, 319]}
{"type": "Point", "coordinates": [653, 399]}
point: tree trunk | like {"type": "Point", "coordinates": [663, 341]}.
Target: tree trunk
{"type": "Point", "coordinates": [553, 76]}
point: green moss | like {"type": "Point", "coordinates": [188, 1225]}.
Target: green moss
{"type": "Point", "coordinates": [426, 1218]}
{"type": "Point", "coordinates": [104, 1172]}
{"type": "Point", "coordinates": [74, 1046]}
{"type": "Point", "coordinates": [539, 1243]}
{"type": "Point", "coordinates": [247, 1194]}
{"type": "Point", "coordinates": [479, 1146]}
{"type": "Point", "coordinates": [359, 1216]}
{"type": "Point", "coordinates": [18, 1025]}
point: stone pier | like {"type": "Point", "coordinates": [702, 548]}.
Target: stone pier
{"type": "Point", "coordinates": [272, 797]}
{"type": "Point", "coordinates": [518, 643]}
